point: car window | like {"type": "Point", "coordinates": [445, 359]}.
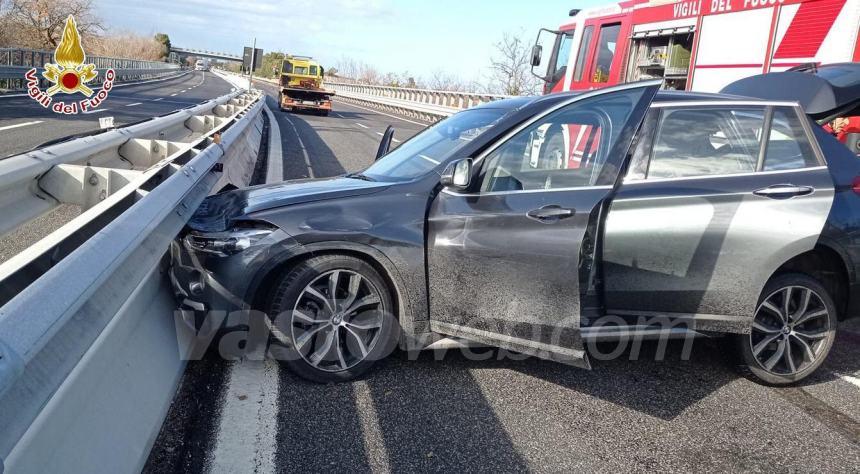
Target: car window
{"type": "Point", "coordinates": [584, 46]}
{"type": "Point", "coordinates": [562, 57]}
{"type": "Point", "coordinates": [607, 43]}
{"type": "Point", "coordinates": [433, 146]}
{"type": "Point", "coordinates": [706, 141]}
{"type": "Point", "coordinates": [788, 147]}
{"type": "Point", "coordinates": [565, 149]}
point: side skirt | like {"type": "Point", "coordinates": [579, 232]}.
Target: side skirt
{"type": "Point", "coordinates": [564, 355]}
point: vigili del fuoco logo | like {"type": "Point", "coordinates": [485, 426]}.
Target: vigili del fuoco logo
{"type": "Point", "coordinates": [69, 75]}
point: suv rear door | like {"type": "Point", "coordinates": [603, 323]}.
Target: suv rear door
{"type": "Point", "coordinates": [708, 211]}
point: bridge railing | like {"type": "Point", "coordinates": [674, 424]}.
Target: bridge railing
{"type": "Point", "coordinates": [15, 62]}
{"type": "Point", "coordinates": [425, 104]}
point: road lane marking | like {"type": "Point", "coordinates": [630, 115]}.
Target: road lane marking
{"type": "Point", "coordinates": [96, 111]}
{"type": "Point", "coordinates": [374, 441]}
{"type": "Point", "coordinates": [246, 438]}
{"type": "Point", "coordinates": [338, 115]}
{"type": "Point", "coordinates": [361, 125]}
{"type": "Point", "coordinates": [275, 158]}
{"type": "Point", "coordinates": [172, 95]}
{"type": "Point", "coordinates": [302, 146]}
{"type": "Point", "coordinates": [847, 378]}
{"type": "Point", "coordinates": [19, 125]}
{"type": "Point", "coordinates": [392, 139]}
{"type": "Point", "coordinates": [383, 113]}
{"type": "Point", "coordinates": [158, 99]}
{"type": "Point", "coordinates": [133, 104]}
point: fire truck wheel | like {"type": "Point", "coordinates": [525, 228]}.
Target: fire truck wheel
{"type": "Point", "coordinates": [552, 153]}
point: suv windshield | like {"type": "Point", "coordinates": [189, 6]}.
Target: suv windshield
{"type": "Point", "coordinates": [436, 144]}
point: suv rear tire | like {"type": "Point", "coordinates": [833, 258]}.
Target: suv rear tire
{"type": "Point", "coordinates": [792, 332]}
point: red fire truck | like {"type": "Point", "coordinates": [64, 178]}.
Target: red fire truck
{"type": "Point", "coordinates": [699, 45]}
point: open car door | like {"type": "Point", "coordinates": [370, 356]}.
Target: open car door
{"type": "Point", "coordinates": [510, 255]}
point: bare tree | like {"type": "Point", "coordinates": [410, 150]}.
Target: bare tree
{"type": "Point", "coordinates": [443, 81]}
{"type": "Point", "coordinates": [40, 22]}
{"type": "Point", "coordinates": [510, 67]}
{"type": "Point", "coordinates": [126, 45]}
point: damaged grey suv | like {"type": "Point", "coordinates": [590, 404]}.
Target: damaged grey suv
{"type": "Point", "coordinates": [528, 223]}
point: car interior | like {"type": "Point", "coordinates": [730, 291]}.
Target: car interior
{"type": "Point", "coordinates": [544, 158]}
{"type": "Point", "coordinates": [704, 142]}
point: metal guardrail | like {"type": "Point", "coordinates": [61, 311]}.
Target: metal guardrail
{"type": "Point", "coordinates": [90, 355]}
{"type": "Point", "coordinates": [426, 104]}
{"type": "Point", "coordinates": [15, 62]}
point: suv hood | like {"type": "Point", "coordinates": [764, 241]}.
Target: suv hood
{"type": "Point", "coordinates": [825, 92]}
{"type": "Point", "coordinates": [217, 212]}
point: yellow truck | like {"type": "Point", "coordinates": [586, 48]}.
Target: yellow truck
{"type": "Point", "coordinates": [301, 86]}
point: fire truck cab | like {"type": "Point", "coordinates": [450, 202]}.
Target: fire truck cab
{"type": "Point", "coordinates": [699, 45]}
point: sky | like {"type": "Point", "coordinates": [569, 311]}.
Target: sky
{"type": "Point", "coordinates": [416, 36]}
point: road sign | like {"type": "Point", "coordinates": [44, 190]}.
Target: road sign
{"type": "Point", "coordinates": [252, 54]}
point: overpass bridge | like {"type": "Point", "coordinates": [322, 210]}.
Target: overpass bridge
{"type": "Point", "coordinates": [98, 371]}
{"type": "Point", "coordinates": [186, 52]}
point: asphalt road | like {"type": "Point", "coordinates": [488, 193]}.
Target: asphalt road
{"type": "Point", "coordinates": [25, 124]}
{"type": "Point", "coordinates": [450, 412]}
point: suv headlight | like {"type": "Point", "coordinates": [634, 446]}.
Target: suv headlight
{"type": "Point", "coordinates": [227, 243]}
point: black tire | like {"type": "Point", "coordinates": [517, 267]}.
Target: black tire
{"type": "Point", "coordinates": [825, 325]}
{"type": "Point", "coordinates": [289, 293]}
{"type": "Point", "coordinates": [552, 153]}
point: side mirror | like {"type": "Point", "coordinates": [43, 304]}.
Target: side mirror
{"type": "Point", "coordinates": [458, 174]}
{"type": "Point", "coordinates": [385, 143]}
{"type": "Point", "coordinates": [537, 54]}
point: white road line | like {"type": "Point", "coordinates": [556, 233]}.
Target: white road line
{"type": "Point", "coordinates": [361, 125]}
{"type": "Point", "coordinates": [852, 380]}
{"type": "Point", "coordinates": [96, 111]}
{"type": "Point", "coordinates": [275, 165]}
{"type": "Point", "coordinates": [302, 146]}
{"type": "Point", "coordinates": [374, 442]}
{"type": "Point", "coordinates": [383, 113]}
{"type": "Point", "coordinates": [172, 95]}
{"type": "Point", "coordinates": [19, 125]}
{"type": "Point", "coordinates": [158, 99]}
{"type": "Point", "coordinates": [133, 104]}
{"type": "Point", "coordinates": [392, 139]}
{"type": "Point", "coordinates": [246, 440]}
{"type": "Point", "coordinates": [338, 115]}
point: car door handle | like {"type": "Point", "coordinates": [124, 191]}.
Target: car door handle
{"type": "Point", "coordinates": [551, 213]}
{"type": "Point", "coordinates": [784, 191]}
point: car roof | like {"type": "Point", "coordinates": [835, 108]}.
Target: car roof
{"type": "Point", "coordinates": [515, 103]}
